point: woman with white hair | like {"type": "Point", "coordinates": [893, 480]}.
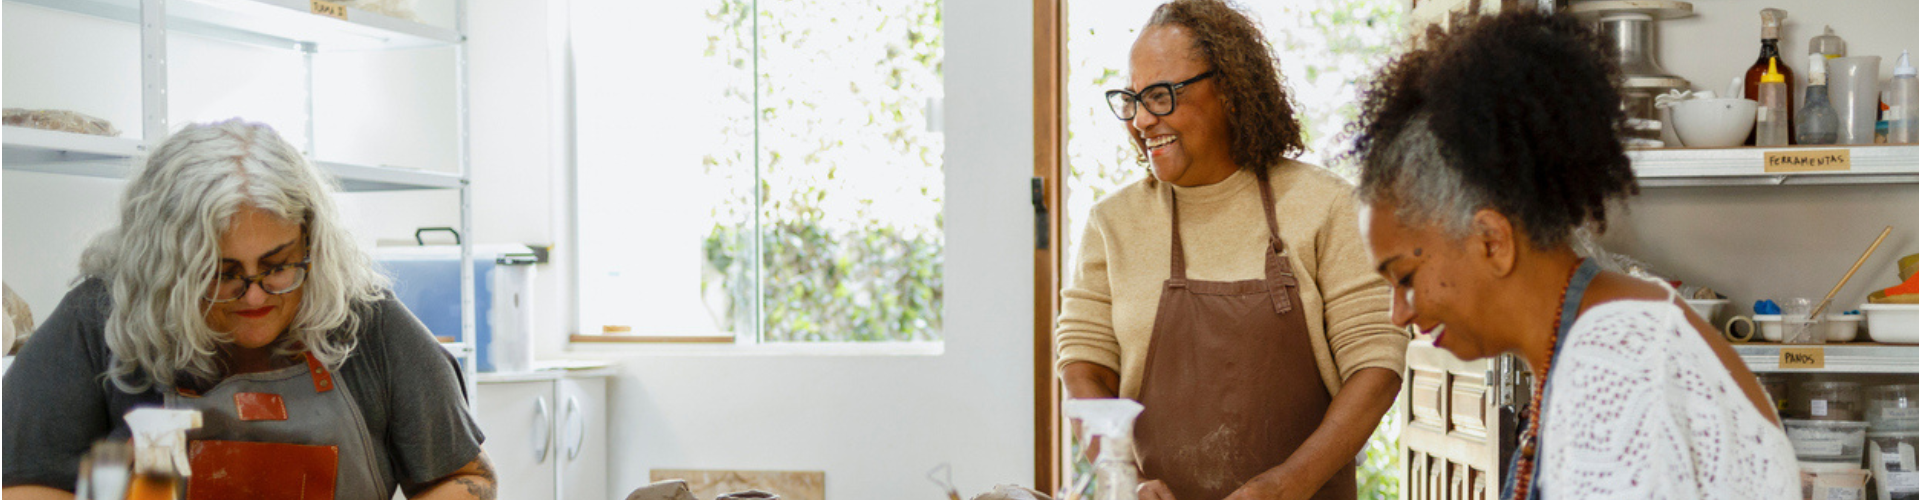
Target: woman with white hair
{"type": "Point", "coordinates": [230, 287]}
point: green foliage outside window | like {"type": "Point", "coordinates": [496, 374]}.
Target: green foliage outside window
{"type": "Point", "coordinates": [847, 167]}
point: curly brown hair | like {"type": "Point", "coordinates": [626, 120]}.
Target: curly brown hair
{"type": "Point", "coordinates": [1518, 112]}
{"type": "Point", "coordinates": [1259, 111]}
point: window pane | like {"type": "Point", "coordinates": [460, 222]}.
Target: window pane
{"type": "Point", "coordinates": [803, 205]}
{"type": "Point", "coordinates": [850, 170]}
{"type": "Point", "coordinates": [665, 162]}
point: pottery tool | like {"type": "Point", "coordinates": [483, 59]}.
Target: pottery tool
{"type": "Point", "coordinates": [1822, 308]}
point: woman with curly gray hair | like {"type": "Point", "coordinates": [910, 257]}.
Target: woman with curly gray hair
{"type": "Point", "coordinates": [1482, 152]}
{"type": "Point", "coordinates": [231, 288]}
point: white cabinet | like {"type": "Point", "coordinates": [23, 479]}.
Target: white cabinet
{"type": "Point", "coordinates": [583, 438]}
{"type": "Point", "coordinates": [546, 433]}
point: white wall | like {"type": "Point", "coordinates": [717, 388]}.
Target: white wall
{"type": "Point", "coordinates": [1757, 242]}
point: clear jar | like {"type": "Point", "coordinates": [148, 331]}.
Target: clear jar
{"type": "Point", "coordinates": [1894, 407]}
{"type": "Point", "coordinates": [1829, 401]}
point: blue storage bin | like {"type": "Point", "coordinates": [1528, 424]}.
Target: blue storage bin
{"type": "Point", "coordinates": [431, 289]}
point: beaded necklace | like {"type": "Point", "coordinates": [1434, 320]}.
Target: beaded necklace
{"type": "Point", "coordinates": [1529, 440]}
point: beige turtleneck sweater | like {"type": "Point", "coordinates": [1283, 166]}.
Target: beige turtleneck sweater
{"type": "Point", "coordinates": [1107, 312]}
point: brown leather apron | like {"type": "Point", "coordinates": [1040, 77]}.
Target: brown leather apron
{"type": "Point", "coordinates": [1231, 386]}
{"type": "Point", "coordinates": [292, 432]}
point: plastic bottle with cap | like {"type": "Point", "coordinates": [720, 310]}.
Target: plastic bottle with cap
{"type": "Point", "coordinates": [1772, 118]}
{"type": "Point", "coordinates": [1903, 104]}
{"type": "Point", "coordinates": [1116, 477]}
{"type": "Point", "coordinates": [1817, 123]}
{"type": "Point", "coordinates": [1828, 44]}
{"type": "Point", "coordinates": [160, 465]}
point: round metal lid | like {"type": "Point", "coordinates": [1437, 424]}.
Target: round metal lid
{"type": "Point", "coordinates": [1659, 9]}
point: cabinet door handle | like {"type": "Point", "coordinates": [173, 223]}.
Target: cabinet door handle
{"type": "Point", "coordinates": [576, 433]}
{"type": "Point", "coordinates": [542, 430]}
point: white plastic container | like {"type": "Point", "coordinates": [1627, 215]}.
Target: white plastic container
{"type": "Point", "coordinates": [1890, 455]}
{"type": "Point", "coordinates": [1843, 327]}
{"type": "Point", "coordinates": [1769, 325]}
{"type": "Point", "coordinates": [1828, 440]}
{"type": "Point", "coordinates": [1892, 323]}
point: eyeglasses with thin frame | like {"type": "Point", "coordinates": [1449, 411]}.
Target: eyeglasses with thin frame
{"type": "Point", "coordinates": [278, 280]}
{"type": "Point", "coordinates": [1159, 98]}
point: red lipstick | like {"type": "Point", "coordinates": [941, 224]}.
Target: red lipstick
{"type": "Point", "coordinates": [255, 313]}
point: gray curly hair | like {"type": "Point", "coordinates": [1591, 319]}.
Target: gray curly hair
{"type": "Point", "coordinates": [158, 262]}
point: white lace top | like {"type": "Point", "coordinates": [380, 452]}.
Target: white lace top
{"type": "Point", "coordinates": [1641, 408]}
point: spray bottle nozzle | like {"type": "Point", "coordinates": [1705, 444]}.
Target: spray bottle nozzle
{"type": "Point", "coordinates": [160, 440]}
{"type": "Point", "coordinates": [1773, 72]}
{"type": "Point", "coordinates": [1105, 417]}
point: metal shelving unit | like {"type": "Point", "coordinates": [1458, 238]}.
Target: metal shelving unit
{"type": "Point", "coordinates": [1840, 358]}
{"type": "Point", "coordinates": [306, 26]}
{"type": "Point", "coordinates": [1872, 164]}
{"type": "Point", "coordinates": [1745, 166]}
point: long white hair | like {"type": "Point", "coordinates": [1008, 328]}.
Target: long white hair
{"type": "Point", "coordinates": [158, 263]}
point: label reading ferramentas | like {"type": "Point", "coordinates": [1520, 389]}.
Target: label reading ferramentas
{"type": "Point", "coordinates": [1814, 160]}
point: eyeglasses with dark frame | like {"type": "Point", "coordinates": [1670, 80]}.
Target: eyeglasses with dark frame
{"type": "Point", "coordinates": [278, 280]}
{"type": "Point", "coordinates": [1159, 98]}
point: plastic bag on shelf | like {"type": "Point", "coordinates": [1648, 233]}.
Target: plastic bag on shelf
{"type": "Point", "coordinates": [60, 120]}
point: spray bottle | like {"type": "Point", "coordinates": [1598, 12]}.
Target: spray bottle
{"type": "Point", "coordinates": [1111, 419]}
{"type": "Point", "coordinates": [1817, 122]}
{"type": "Point", "coordinates": [160, 466]}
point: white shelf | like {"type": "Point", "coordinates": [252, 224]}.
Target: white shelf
{"type": "Point", "coordinates": [1840, 358]}
{"type": "Point", "coordinates": [273, 22]}
{"type": "Point", "coordinates": [66, 153]}
{"type": "Point", "coordinates": [1872, 164]}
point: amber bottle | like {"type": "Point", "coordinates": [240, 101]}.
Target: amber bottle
{"type": "Point", "coordinates": [1770, 20]}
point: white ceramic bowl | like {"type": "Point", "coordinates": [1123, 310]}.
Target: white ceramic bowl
{"type": "Point", "coordinates": [1720, 122]}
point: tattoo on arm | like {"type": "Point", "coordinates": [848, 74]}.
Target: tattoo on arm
{"type": "Point", "coordinates": [483, 490]}
{"type": "Point", "coordinates": [485, 468]}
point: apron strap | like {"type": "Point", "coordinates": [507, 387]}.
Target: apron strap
{"type": "Point", "coordinates": [1178, 277]}
{"type": "Point", "coordinates": [322, 379]}
{"type": "Point", "coordinates": [1279, 270]}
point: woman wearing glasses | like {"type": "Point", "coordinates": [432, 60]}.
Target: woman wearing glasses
{"type": "Point", "coordinates": [1229, 292]}
{"type": "Point", "coordinates": [230, 287]}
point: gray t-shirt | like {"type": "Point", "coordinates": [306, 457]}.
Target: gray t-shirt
{"type": "Point", "coordinates": [58, 400]}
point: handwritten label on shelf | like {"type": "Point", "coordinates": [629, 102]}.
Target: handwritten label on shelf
{"type": "Point", "coordinates": [329, 9]}
{"type": "Point", "coordinates": [1818, 160]}
{"type": "Point", "coordinates": [1803, 358]}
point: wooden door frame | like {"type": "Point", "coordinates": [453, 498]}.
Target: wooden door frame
{"type": "Point", "coordinates": [1049, 154]}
